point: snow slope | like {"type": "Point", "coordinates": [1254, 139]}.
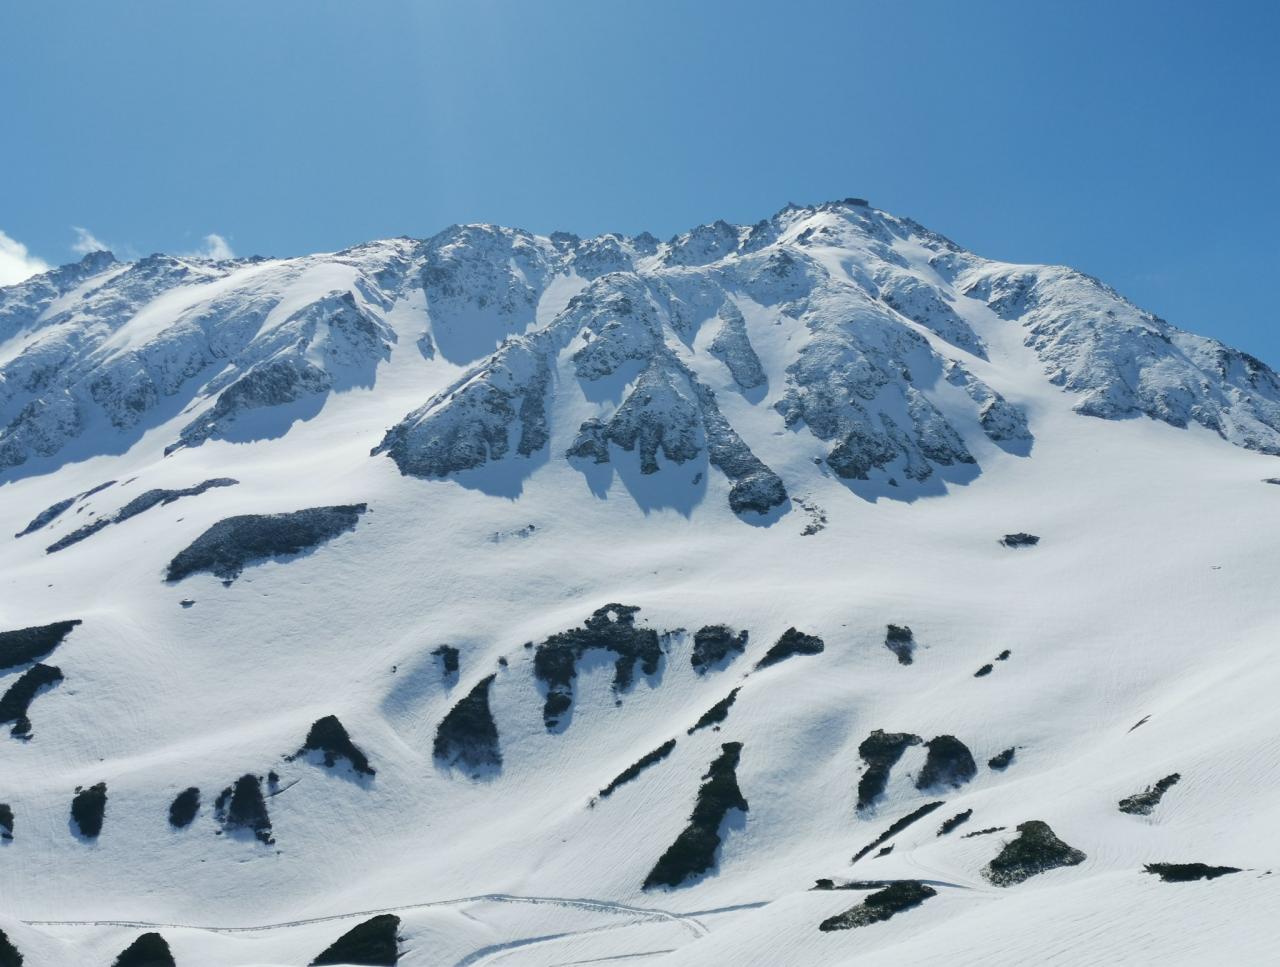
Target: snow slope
{"type": "Point", "coordinates": [826, 421]}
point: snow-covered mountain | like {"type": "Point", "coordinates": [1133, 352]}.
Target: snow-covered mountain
{"type": "Point", "coordinates": [809, 592]}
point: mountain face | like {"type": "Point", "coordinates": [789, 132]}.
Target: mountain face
{"type": "Point", "coordinates": [541, 600]}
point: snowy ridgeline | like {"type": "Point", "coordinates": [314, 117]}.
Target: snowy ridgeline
{"type": "Point", "coordinates": [836, 321]}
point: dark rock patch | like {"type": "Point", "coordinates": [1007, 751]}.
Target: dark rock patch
{"type": "Point", "coordinates": [327, 735]}
{"type": "Point", "coordinates": [1141, 721]}
{"type": "Point", "coordinates": [893, 899]}
{"type": "Point", "coordinates": [88, 809]}
{"type": "Point", "coordinates": [140, 504]}
{"type": "Point", "coordinates": [881, 751]}
{"type": "Point", "coordinates": [6, 821]}
{"type": "Point", "coordinates": [951, 824]}
{"type": "Point", "coordinates": [28, 644]}
{"type": "Point", "coordinates": [714, 644]}
{"type": "Point", "coordinates": [984, 671]}
{"type": "Point", "coordinates": [899, 640]}
{"type": "Point", "coordinates": [611, 628]}
{"type": "Point", "coordinates": [1004, 655]}
{"type": "Point", "coordinates": [1001, 760]}
{"type": "Point", "coordinates": [373, 943]}
{"type": "Point", "coordinates": [149, 950]}
{"type": "Point", "coordinates": [637, 767]}
{"type": "Point", "coordinates": [52, 513]}
{"type": "Point", "coordinates": [1186, 872]}
{"type": "Point", "coordinates": [183, 809]}
{"type": "Point", "coordinates": [896, 827]}
{"type": "Point", "coordinates": [467, 738]}
{"type": "Point", "coordinates": [449, 662]}
{"type": "Point", "coordinates": [230, 545]}
{"type": "Point", "coordinates": [949, 763]}
{"type": "Point", "coordinates": [717, 713]}
{"type": "Point", "coordinates": [791, 643]}
{"type": "Point", "coordinates": [9, 955]}
{"type": "Point", "coordinates": [1036, 850]}
{"type": "Point", "coordinates": [1020, 540]}
{"type": "Point", "coordinates": [1144, 803]}
{"type": "Point", "coordinates": [983, 832]}
{"type": "Point", "coordinates": [694, 850]}
{"type": "Point", "coordinates": [16, 701]}
{"type": "Point", "coordinates": [241, 807]}
{"type": "Point", "coordinates": [1272, 480]}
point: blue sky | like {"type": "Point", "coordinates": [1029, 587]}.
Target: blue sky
{"type": "Point", "coordinates": [1137, 141]}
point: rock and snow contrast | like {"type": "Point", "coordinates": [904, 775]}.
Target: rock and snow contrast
{"type": "Point", "coordinates": [506, 599]}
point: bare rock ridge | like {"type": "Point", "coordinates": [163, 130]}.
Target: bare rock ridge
{"type": "Point", "coordinates": [148, 950]}
{"type": "Point", "coordinates": [467, 737]}
{"type": "Point", "coordinates": [637, 767]}
{"type": "Point", "coordinates": [328, 737]}
{"type": "Point", "coordinates": [15, 704]}
{"type": "Point", "coordinates": [1035, 850]}
{"type": "Point", "coordinates": [373, 943]}
{"type": "Point", "coordinates": [880, 906]}
{"type": "Point", "coordinates": [230, 545]}
{"type": "Point", "coordinates": [140, 504]}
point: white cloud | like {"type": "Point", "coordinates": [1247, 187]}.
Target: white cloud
{"type": "Point", "coordinates": [16, 263]}
{"type": "Point", "coordinates": [215, 247]}
{"type": "Point", "coordinates": [86, 243]}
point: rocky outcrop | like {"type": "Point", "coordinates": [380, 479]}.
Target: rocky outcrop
{"type": "Point", "coordinates": [949, 763]}
{"type": "Point", "coordinates": [717, 713]}
{"type": "Point", "coordinates": [954, 822]}
{"type": "Point", "coordinates": [54, 511]}
{"type": "Point", "coordinates": [881, 751]}
{"type": "Point", "coordinates": [183, 809]}
{"type": "Point", "coordinates": [1144, 803]}
{"type": "Point", "coordinates": [6, 821]}
{"type": "Point", "coordinates": [1020, 539]}
{"type": "Point", "coordinates": [27, 644]}
{"type": "Point", "coordinates": [17, 699]}
{"type": "Point", "coordinates": [329, 738]}
{"type": "Point", "coordinates": [88, 809]}
{"type": "Point", "coordinates": [230, 545]}
{"type": "Point", "coordinates": [732, 346]}
{"type": "Point", "coordinates": [714, 644]}
{"type": "Point", "coordinates": [1001, 760]}
{"type": "Point", "coordinates": [896, 827]}
{"type": "Point", "coordinates": [637, 767]}
{"type": "Point", "coordinates": [791, 643]}
{"type": "Point", "coordinates": [880, 906]}
{"type": "Point", "coordinates": [1035, 850]}
{"type": "Point", "coordinates": [900, 640]}
{"type": "Point", "coordinates": [611, 628]}
{"type": "Point", "coordinates": [694, 851]}
{"type": "Point", "coordinates": [374, 943]}
{"type": "Point", "coordinates": [242, 808]}
{"type": "Point", "coordinates": [140, 504]}
{"type": "Point", "coordinates": [1187, 872]}
{"type": "Point", "coordinates": [9, 954]}
{"type": "Point", "coordinates": [467, 738]}
{"type": "Point", "coordinates": [148, 950]}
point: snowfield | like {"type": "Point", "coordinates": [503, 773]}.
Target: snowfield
{"type": "Point", "coordinates": [824, 422]}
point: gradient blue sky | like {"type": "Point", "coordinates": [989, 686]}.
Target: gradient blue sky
{"type": "Point", "coordinates": [1137, 141]}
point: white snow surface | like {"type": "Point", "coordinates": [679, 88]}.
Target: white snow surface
{"type": "Point", "coordinates": [1150, 597]}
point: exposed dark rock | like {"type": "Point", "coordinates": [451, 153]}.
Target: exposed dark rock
{"type": "Point", "coordinates": [1143, 803]}
{"type": "Point", "coordinates": [893, 899]}
{"type": "Point", "coordinates": [6, 821]}
{"type": "Point", "coordinates": [896, 827]}
{"type": "Point", "coordinates": [448, 656]}
{"type": "Point", "coordinates": [1272, 480]}
{"type": "Point", "coordinates": [1020, 540]}
{"type": "Point", "coordinates": [694, 850]}
{"type": "Point", "coordinates": [884, 851]}
{"type": "Point", "coordinates": [611, 628]}
{"type": "Point", "coordinates": [717, 713]}
{"type": "Point", "coordinates": [881, 751]}
{"type": "Point", "coordinates": [9, 955]}
{"type": "Point", "coordinates": [712, 644]}
{"type": "Point", "coordinates": [149, 950]}
{"type": "Point", "coordinates": [143, 502]}
{"type": "Point", "coordinates": [17, 700]}
{"type": "Point", "coordinates": [230, 545]}
{"type": "Point", "coordinates": [958, 819]}
{"type": "Point", "coordinates": [1004, 655]}
{"type": "Point", "coordinates": [637, 767]}
{"type": "Point", "coordinates": [983, 832]}
{"type": "Point", "coordinates": [467, 738]}
{"type": "Point", "coordinates": [1001, 760]}
{"type": "Point", "coordinates": [183, 809]}
{"type": "Point", "coordinates": [1036, 850]}
{"type": "Point", "coordinates": [983, 671]}
{"type": "Point", "coordinates": [187, 602]}
{"type": "Point", "coordinates": [1141, 721]}
{"type": "Point", "coordinates": [899, 640]}
{"type": "Point", "coordinates": [242, 807]}
{"type": "Point", "coordinates": [949, 763]}
{"type": "Point", "coordinates": [791, 643]}
{"type": "Point", "coordinates": [28, 644]}
{"type": "Point", "coordinates": [1186, 872]}
{"type": "Point", "coordinates": [732, 347]}
{"type": "Point", "coordinates": [52, 513]}
{"type": "Point", "coordinates": [88, 809]}
{"type": "Point", "coordinates": [328, 735]}
{"type": "Point", "coordinates": [373, 943]}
